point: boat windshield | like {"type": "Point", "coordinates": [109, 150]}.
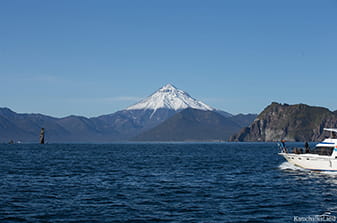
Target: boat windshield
{"type": "Point", "coordinates": [323, 151]}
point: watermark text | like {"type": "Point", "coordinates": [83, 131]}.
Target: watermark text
{"type": "Point", "coordinates": [315, 218]}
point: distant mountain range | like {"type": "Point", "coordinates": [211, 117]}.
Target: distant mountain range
{"type": "Point", "coordinates": [298, 122]}
{"type": "Point", "coordinates": [169, 114]}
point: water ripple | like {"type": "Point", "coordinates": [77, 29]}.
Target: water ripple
{"type": "Point", "coordinates": [225, 182]}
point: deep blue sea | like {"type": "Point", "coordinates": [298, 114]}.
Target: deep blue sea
{"type": "Point", "coordinates": [178, 182]}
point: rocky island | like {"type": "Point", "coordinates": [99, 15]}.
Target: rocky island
{"type": "Point", "coordinates": [297, 122]}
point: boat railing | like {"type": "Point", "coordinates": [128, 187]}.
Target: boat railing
{"type": "Point", "coordinates": [295, 150]}
{"type": "Point", "coordinates": [299, 150]}
{"type": "Point", "coordinates": [321, 151]}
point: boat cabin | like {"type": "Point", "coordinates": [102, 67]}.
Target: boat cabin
{"type": "Point", "coordinates": [322, 151]}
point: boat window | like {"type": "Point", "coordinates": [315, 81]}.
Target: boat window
{"type": "Point", "coordinates": [323, 151]}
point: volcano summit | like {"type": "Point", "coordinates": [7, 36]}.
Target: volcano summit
{"type": "Point", "coordinates": [169, 97]}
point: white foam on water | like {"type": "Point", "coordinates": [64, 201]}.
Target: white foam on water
{"type": "Point", "coordinates": [290, 166]}
{"type": "Point", "coordinates": [332, 173]}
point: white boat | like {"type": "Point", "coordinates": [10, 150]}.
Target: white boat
{"type": "Point", "coordinates": [322, 158]}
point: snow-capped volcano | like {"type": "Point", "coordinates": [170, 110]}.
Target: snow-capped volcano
{"type": "Point", "coordinates": [169, 97]}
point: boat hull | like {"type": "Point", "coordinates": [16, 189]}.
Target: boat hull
{"type": "Point", "coordinates": [312, 161]}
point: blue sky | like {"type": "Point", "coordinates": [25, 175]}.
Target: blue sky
{"type": "Point", "coordinates": [96, 57]}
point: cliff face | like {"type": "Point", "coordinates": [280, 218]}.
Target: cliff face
{"type": "Point", "coordinates": [290, 122]}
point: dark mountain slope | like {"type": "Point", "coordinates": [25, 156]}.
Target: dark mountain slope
{"type": "Point", "coordinates": [243, 120]}
{"type": "Point", "coordinates": [192, 125]}
{"type": "Point", "coordinates": [119, 126]}
{"type": "Point", "coordinates": [129, 123]}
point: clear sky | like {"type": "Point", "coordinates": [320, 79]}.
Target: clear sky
{"type": "Point", "coordinates": [63, 57]}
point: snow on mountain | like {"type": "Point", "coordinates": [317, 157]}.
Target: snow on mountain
{"type": "Point", "coordinates": [170, 97]}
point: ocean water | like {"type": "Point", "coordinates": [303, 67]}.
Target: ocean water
{"type": "Point", "coordinates": [178, 182]}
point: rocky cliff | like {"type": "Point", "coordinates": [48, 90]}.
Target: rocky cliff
{"type": "Point", "coordinates": [298, 122]}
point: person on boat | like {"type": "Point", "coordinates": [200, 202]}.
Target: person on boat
{"type": "Point", "coordinates": [307, 148]}
{"type": "Point", "coordinates": [334, 135]}
{"type": "Point", "coordinates": [284, 148]}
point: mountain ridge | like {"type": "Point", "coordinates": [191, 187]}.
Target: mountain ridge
{"type": "Point", "coordinates": [119, 126]}
{"type": "Point", "coordinates": [122, 125]}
